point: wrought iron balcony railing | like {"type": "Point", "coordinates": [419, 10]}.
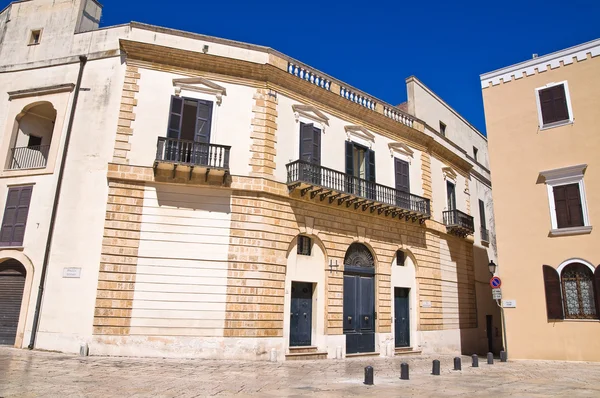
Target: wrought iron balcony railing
{"type": "Point", "coordinates": [336, 186]}
{"type": "Point", "coordinates": [30, 157]}
{"type": "Point", "coordinates": [191, 153]}
{"type": "Point", "coordinates": [458, 222]}
{"type": "Point", "coordinates": [485, 234]}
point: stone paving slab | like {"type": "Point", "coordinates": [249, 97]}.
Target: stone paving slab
{"type": "Point", "coordinates": [42, 374]}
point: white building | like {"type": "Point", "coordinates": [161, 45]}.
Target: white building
{"type": "Point", "coordinates": [220, 199]}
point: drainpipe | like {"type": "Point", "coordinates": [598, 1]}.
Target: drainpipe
{"type": "Point", "coordinates": [36, 317]}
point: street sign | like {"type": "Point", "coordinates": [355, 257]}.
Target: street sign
{"type": "Point", "coordinates": [497, 294]}
{"type": "Point", "coordinates": [509, 303]}
{"type": "Point", "coordinates": [495, 282]}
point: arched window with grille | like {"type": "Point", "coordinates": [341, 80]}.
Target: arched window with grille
{"type": "Point", "coordinates": [577, 283]}
{"type": "Point", "coordinates": [572, 291]}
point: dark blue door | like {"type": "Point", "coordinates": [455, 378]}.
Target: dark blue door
{"type": "Point", "coordinates": [301, 314]}
{"type": "Point", "coordinates": [359, 313]}
{"type": "Point", "coordinates": [401, 317]}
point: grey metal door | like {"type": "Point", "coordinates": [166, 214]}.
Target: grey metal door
{"type": "Point", "coordinates": [301, 314]}
{"type": "Point", "coordinates": [12, 282]}
{"type": "Point", "coordinates": [401, 317]}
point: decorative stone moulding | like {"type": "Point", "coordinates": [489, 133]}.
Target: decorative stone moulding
{"type": "Point", "coordinates": [311, 113]}
{"type": "Point", "coordinates": [308, 75]}
{"type": "Point", "coordinates": [362, 134]}
{"type": "Point", "coordinates": [200, 85]}
{"type": "Point", "coordinates": [357, 98]}
{"type": "Point", "coordinates": [399, 148]}
{"type": "Point", "coordinates": [449, 173]}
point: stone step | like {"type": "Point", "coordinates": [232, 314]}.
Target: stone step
{"type": "Point", "coordinates": [306, 356]}
{"type": "Point", "coordinates": [296, 350]}
{"type": "Point", "coordinates": [363, 354]}
{"type": "Point", "coordinates": [407, 351]}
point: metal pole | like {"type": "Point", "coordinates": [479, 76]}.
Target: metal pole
{"type": "Point", "coordinates": [503, 328]}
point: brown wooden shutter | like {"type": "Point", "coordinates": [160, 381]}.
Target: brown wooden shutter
{"type": "Point", "coordinates": [553, 104]}
{"type": "Point", "coordinates": [574, 205]}
{"type": "Point", "coordinates": [15, 216]}
{"type": "Point", "coordinates": [560, 205]}
{"type": "Point", "coordinates": [597, 290]}
{"type": "Point", "coordinates": [554, 306]}
{"type": "Point", "coordinates": [306, 142]}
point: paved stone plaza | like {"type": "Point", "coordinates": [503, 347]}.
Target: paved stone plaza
{"type": "Point", "coordinates": [41, 374]}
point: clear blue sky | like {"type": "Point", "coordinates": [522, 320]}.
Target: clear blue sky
{"type": "Point", "coordinates": [375, 45]}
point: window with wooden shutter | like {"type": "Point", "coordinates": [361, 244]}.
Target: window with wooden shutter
{"type": "Point", "coordinates": [15, 216]}
{"type": "Point", "coordinates": [190, 119]}
{"type": "Point", "coordinates": [554, 307]}
{"type": "Point", "coordinates": [567, 204]}
{"type": "Point", "coordinates": [553, 104]}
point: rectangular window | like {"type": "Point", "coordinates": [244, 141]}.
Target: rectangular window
{"type": "Point", "coordinates": [475, 150]}
{"type": "Point", "coordinates": [451, 195]}
{"type": "Point", "coordinates": [567, 202]}
{"type": "Point", "coordinates": [15, 216]}
{"type": "Point", "coordinates": [190, 119]}
{"type": "Point", "coordinates": [360, 166]}
{"type": "Point", "coordinates": [554, 105]}
{"type": "Point", "coordinates": [482, 214]}
{"type": "Point", "coordinates": [34, 141]}
{"type": "Point", "coordinates": [400, 258]}
{"type": "Point", "coordinates": [442, 129]}
{"type": "Point", "coordinates": [304, 245]}
{"type": "Point", "coordinates": [36, 37]}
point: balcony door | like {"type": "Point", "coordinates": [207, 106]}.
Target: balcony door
{"type": "Point", "coordinates": [451, 194]}
{"type": "Point", "coordinates": [401, 172]}
{"type": "Point", "coordinates": [360, 170]}
{"type": "Point", "coordinates": [189, 128]}
{"type": "Point", "coordinates": [310, 153]}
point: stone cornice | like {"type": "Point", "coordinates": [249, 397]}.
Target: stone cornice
{"type": "Point", "coordinates": [541, 64]}
{"type": "Point", "coordinates": [273, 77]}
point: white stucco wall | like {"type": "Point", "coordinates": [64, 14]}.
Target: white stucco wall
{"type": "Point", "coordinates": [230, 120]}
{"type": "Point", "coordinates": [333, 150]}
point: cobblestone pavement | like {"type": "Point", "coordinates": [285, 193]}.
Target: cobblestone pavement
{"type": "Point", "coordinates": [43, 374]}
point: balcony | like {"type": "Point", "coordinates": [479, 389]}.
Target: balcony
{"type": "Point", "coordinates": [30, 157]}
{"type": "Point", "coordinates": [340, 188]}
{"type": "Point", "coordinates": [485, 234]}
{"type": "Point", "coordinates": [458, 223]}
{"type": "Point", "coordinates": [193, 157]}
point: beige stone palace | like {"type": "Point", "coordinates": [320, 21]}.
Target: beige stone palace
{"type": "Point", "coordinates": [542, 118]}
{"type": "Point", "coordinates": [167, 193]}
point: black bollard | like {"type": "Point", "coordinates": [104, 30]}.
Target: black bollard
{"type": "Point", "coordinates": [457, 364]}
{"type": "Point", "coordinates": [436, 368]}
{"type": "Point", "coordinates": [503, 356]}
{"type": "Point", "coordinates": [369, 375]}
{"type": "Point", "coordinates": [475, 361]}
{"type": "Point", "coordinates": [404, 371]}
{"type": "Point", "coordinates": [490, 358]}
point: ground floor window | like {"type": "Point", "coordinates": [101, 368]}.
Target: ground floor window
{"type": "Point", "coordinates": [578, 291]}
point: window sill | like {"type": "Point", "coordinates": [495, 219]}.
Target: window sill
{"type": "Point", "coordinates": [571, 231]}
{"type": "Point", "coordinates": [556, 124]}
{"type": "Point", "coordinates": [18, 248]}
{"type": "Point", "coordinates": [573, 320]}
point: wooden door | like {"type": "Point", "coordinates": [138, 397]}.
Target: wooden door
{"type": "Point", "coordinates": [301, 314]}
{"type": "Point", "coordinates": [359, 313]}
{"type": "Point", "coordinates": [401, 170]}
{"type": "Point", "coordinates": [402, 317]}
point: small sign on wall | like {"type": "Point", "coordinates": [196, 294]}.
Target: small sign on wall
{"type": "Point", "coordinates": [426, 304]}
{"type": "Point", "coordinates": [71, 272]}
{"type": "Point", "coordinates": [509, 303]}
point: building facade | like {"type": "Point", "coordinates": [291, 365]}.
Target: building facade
{"type": "Point", "coordinates": [220, 199]}
{"type": "Point", "coordinates": [545, 112]}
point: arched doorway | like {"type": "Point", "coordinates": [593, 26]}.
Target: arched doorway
{"type": "Point", "coordinates": [359, 299]}
{"type": "Point", "coordinates": [12, 283]}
